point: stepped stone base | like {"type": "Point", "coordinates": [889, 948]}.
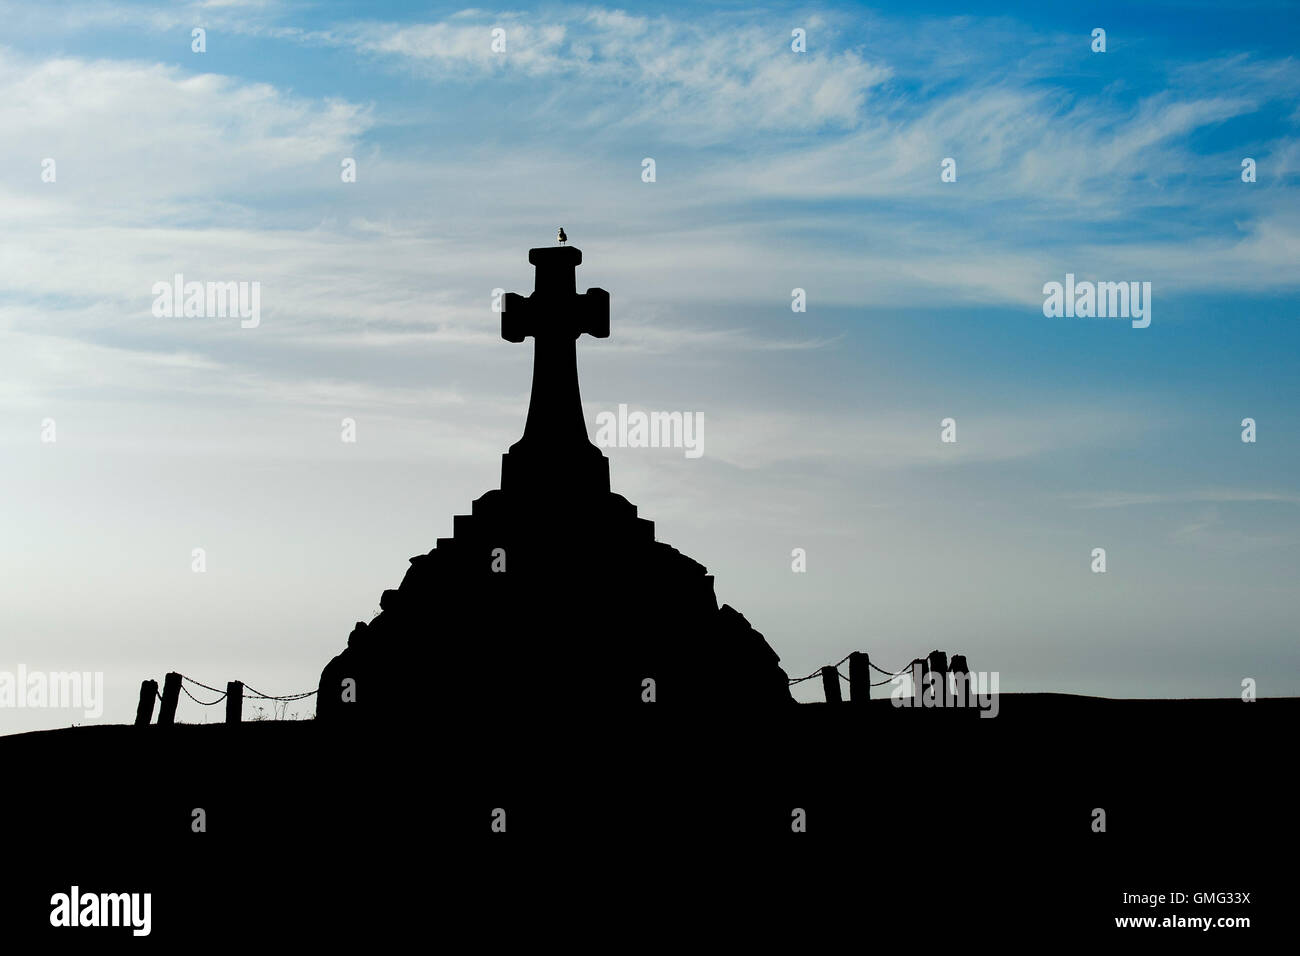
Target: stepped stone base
{"type": "Point", "coordinates": [582, 607]}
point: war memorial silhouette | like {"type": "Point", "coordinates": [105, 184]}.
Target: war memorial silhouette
{"type": "Point", "coordinates": [535, 580]}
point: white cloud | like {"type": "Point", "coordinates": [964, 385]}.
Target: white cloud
{"type": "Point", "coordinates": [705, 79]}
{"type": "Point", "coordinates": [194, 139]}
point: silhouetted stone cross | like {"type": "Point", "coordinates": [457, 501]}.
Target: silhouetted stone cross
{"type": "Point", "coordinates": [555, 315]}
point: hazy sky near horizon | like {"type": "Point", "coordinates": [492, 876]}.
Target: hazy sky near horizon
{"type": "Point", "coordinates": [775, 170]}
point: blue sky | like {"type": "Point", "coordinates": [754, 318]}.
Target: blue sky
{"type": "Point", "coordinates": [774, 171]}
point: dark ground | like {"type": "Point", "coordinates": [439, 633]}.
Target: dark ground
{"type": "Point", "coordinates": [930, 829]}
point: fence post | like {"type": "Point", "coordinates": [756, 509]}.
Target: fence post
{"type": "Point", "coordinates": [234, 701]}
{"type": "Point", "coordinates": [171, 695]}
{"type": "Point", "coordinates": [144, 709]}
{"type": "Point", "coordinates": [859, 677]}
{"type": "Point", "coordinates": [938, 661]}
{"type": "Point", "coordinates": [918, 682]}
{"type": "Point", "coordinates": [831, 685]}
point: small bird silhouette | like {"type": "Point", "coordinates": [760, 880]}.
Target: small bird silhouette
{"type": "Point", "coordinates": [562, 238]}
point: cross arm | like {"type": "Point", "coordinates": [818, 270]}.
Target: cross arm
{"type": "Point", "coordinates": [516, 317]}
{"type": "Point", "coordinates": [592, 314]}
{"type": "Point", "coordinates": [587, 313]}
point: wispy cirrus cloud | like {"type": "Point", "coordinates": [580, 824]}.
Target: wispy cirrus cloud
{"type": "Point", "coordinates": [704, 80]}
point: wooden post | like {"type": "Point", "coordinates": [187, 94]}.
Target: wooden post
{"type": "Point", "coordinates": [144, 709]}
{"type": "Point", "coordinates": [171, 696]}
{"type": "Point", "coordinates": [938, 661]}
{"type": "Point", "coordinates": [859, 677]}
{"type": "Point", "coordinates": [831, 685]}
{"type": "Point", "coordinates": [234, 701]}
{"type": "Point", "coordinates": [918, 683]}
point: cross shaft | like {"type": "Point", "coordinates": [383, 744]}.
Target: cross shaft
{"type": "Point", "coordinates": [555, 314]}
